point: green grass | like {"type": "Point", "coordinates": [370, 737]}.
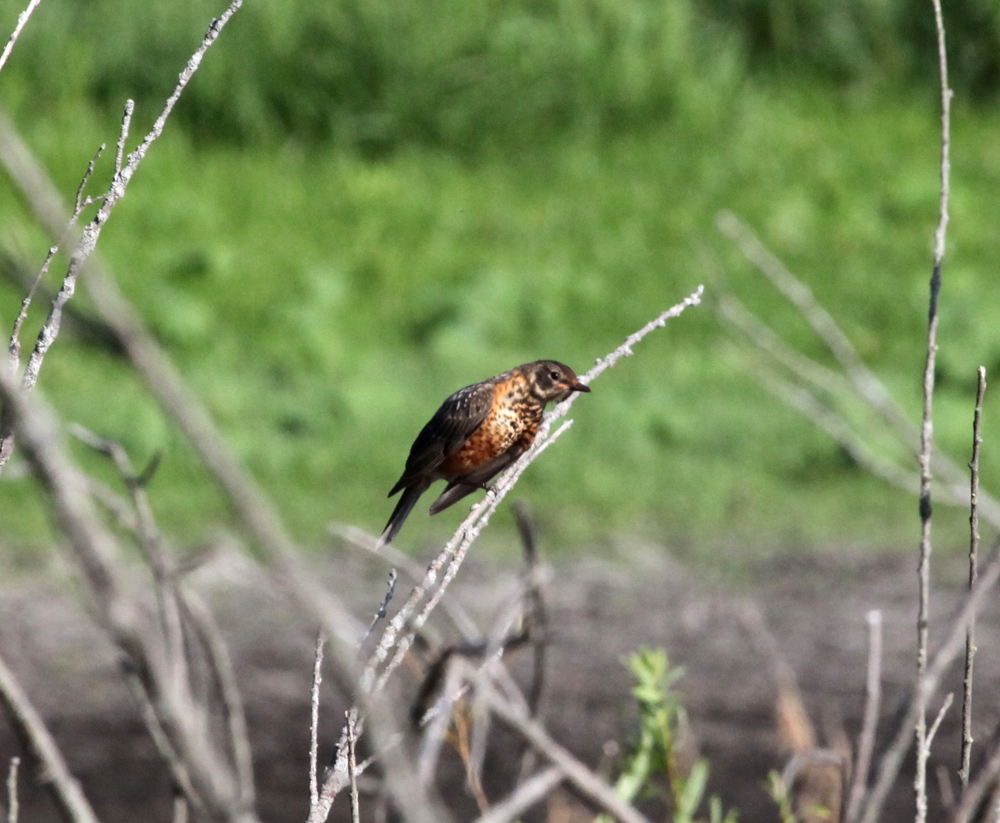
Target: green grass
{"type": "Point", "coordinates": [322, 304]}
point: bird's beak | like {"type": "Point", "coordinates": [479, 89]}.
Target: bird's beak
{"type": "Point", "coordinates": [579, 387]}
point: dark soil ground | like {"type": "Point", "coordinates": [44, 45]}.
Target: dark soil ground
{"type": "Point", "coordinates": [813, 606]}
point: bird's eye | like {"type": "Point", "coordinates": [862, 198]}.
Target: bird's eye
{"type": "Point", "coordinates": [554, 374]}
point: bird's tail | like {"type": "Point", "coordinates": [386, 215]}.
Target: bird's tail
{"type": "Point", "coordinates": [407, 501]}
{"type": "Point", "coordinates": [452, 494]}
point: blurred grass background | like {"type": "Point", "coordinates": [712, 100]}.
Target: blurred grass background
{"type": "Point", "coordinates": [360, 206]}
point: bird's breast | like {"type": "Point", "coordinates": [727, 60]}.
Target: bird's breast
{"type": "Point", "coordinates": [512, 422]}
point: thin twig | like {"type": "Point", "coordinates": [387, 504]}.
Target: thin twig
{"type": "Point", "coordinates": [383, 608]}
{"type": "Point", "coordinates": [973, 794]}
{"type": "Point", "coordinates": [462, 542]}
{"type": "Point", "coordinates": [31, 728]}
{"type": "Point", "coordinates": [156, 557]}
{"type": "Point", "coordinates": [388, 553]}
{"type": "Point", "coordinates": [92, 231]}
{"type": "Point", "coordinates": [22, 20]}
{"type": "Point", "coordinates": [436, 719]}
{"type": "Point", "coordinates": [867, 385]}
{"type": "Point", "coordinates": [588, 783]}
{"type": "Point", "coordinates": [224, 673]}
{"type": "Point", "coordinates": [179, 772]}
{"type": "Point", "coordinates": [88, 241]}
{"type": "Point", "coordinates": [12, 803]}
{"type": "Point", "coordinates": [537, 618]}
{"type": "Point", "coordinates": [80, 202]}
{"type": "Point", "coordinates": [178, 604]}
{"type": "Point", "coordinates": [970, 637]}
{"type": "Point", "coordinates": [869, 723]}
{"type": "Point", "coordinates": [499, 639]}
{"type": "Point", "coordinates": [352, 765]}
{"type": "Point", "coordinates": [256, 513]}
{"type": "Point", "coordinates": [524, 797]}
{"type": "Point", "coordinates": [123, 135]}
{"type": "Point", "coordinates": [534, 607]}
{"type": "Point", "coordinates": [928, 685]}
{"type": "Point", "coordinates": [927, 427]}
{"type": "Point", "coordinates": [814, 381]}
{"type": "Point", "coordinates": [181, 809]}
{"type": "Point", "coordinates": [94, 550]}
{"type": "Point", "coordinates": [14, 347]}
{"type": "Point", "coordinates": [837, 427]}
{"type": "Point", "coordinates": [948, 700]}
{"type": "Point", "coordinates": [314, 722]}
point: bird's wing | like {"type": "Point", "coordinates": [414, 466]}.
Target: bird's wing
{"type": "Point", "coordinates": [454, 423]}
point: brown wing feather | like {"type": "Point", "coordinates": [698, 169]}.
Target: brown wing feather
{"type": "Point", "coordinates": [446, 432]}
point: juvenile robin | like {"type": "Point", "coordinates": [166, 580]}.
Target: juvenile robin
{"type": "Point", "coordinates": [477, 433]}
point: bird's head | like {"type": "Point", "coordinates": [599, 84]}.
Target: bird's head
{"type": "Point", "coordinates": [552, 381]}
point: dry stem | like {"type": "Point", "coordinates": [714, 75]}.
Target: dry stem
{"type": "Point", "coordinates": [970, 637]}
{"type": "Point", "coordinates": [927, 428]}
{"type": "Point", "coordinates": [22, 20]}
{"type": "Point", "coordinates": [30, 726]}
{"type": "Point", "coordinates": [869, 723]}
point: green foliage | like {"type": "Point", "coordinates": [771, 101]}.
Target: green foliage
{"type": "Point", "coordinates": [871, 41]}
{"type": "Point", "coordinates": [654, 754]}
{"type": "Point", "coordinates": [322, 305]}
{"type": "Point", "coordinates": [779, 794]}
{"type": "Point", "coordinates": [322, 302]}
{"type": "Point", "coordinates": [381, 74]}
{"type": "Point", "coordinates": [473, 75]}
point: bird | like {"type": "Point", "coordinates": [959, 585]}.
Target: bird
{"type": "Point", "coordinates": [477, 433]}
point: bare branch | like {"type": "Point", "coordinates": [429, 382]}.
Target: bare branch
{"type": "Point", "coordinates": [12, 805]}
{"type": "Point", "coordinates": [92, 231]}
{"type": "Point", "coordinates": [948, 700]}
{"type": "Point", "coordinates": [22, 20]}
{"type": "Point", "coordinates": [537, 621]}
{"type": "Point", "coordinates": [952, 485]}
{"type": "Point", "coordinates": [183, 782]}
{"type": "Point", "coordinates": [80, 202]}
{"type": "Point", "coordinates": [527, 795]}
{"type": "Point", "coordinates": [973, 794]}
{"type": "Point", "coordinates": [122, 136]}
{"type": "Point", "coordinates": [928, 685]}
{"type": "Point", "coordinates": [94, 549]}
{"type": "Point", "coordinates": [927, 428]}
{"type": "Point", "coordinates": [436, 719]}
{"type": "Point", "coordinates": [352, 769]}
{"type": "Point", "coordinates": [588, 783]}
{"type": "Point", "coordinates": [30, 726]}
{"type": "Point", "coordinates": [970, 636]}
{"type": "Point", "coordinates": [180, 809]}
{"type": "Point", "coordinates": [837, 427]}
{"type": "Point", "coordinates": [224, 673]}
{"type": "Point", "coordinates": [390, 554]}
{"type": "Point", "coordinates": [869, 723]}
{"type": "Point", "coordinates": [867, 385]}
{"type": "Point", "coordinates": [14, 347]}
{"type": "Point", "coordinates": [314, 723]}
{"type": "Point", "coordinates": [383, 608]}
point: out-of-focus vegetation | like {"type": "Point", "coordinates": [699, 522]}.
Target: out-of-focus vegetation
{"type": "Point", "coordinates": [359, 207]}
{"type": "Point", "coordinates": [466, 76]}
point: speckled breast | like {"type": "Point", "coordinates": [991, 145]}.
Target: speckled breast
{"type": "Point", "coordinates": [513, 422]}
